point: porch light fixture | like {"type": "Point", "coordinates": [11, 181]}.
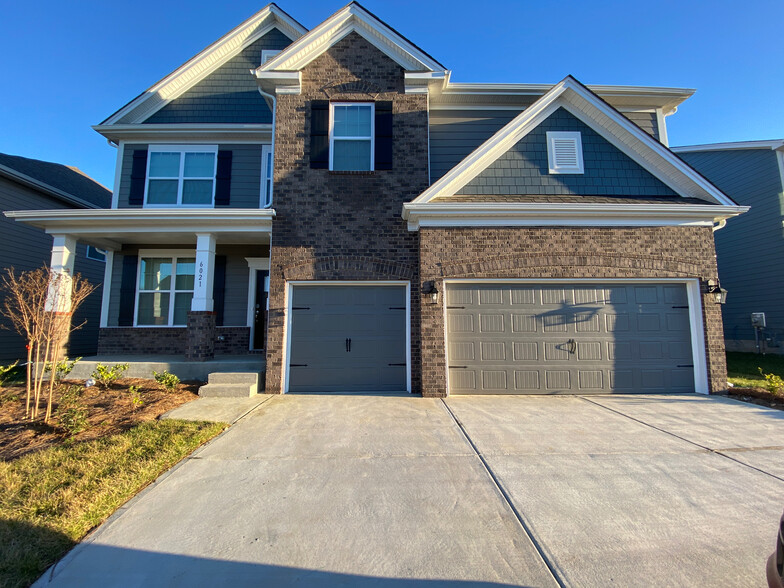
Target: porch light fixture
{"type": "Point", "coordinates": [719, 294]}
{"type": "Point", "coordinates": [429, 289]}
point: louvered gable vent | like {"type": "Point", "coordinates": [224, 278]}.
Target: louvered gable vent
{"type": "Point", "coordinates": [565, 152]}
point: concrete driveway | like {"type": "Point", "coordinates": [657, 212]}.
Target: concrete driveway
{"type": "Point", "coordinates": [475, 491]}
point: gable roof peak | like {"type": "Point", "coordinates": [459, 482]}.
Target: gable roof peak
{"type": "Point", "coordinates": [351, 18]}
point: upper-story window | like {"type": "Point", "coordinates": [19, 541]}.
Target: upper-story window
{"type": "Point", "coordinates": [351, 136]}
{"type": "Point", "coordinates": [181, 175]}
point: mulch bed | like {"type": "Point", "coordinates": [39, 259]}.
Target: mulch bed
{"type": "Point", "coordinates": [757, 396]}
{"type": "Point", "coordinates": [108, 412]}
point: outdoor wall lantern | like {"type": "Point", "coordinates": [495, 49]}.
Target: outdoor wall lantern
{"type": "Point", "coordinates": [429, 289]}
{"type": "Point", "coordinates": [718, 293]}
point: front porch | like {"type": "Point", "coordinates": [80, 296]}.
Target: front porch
{"type": "Point", "coordinates": [188, 282]}
{"type": "Point", "coordinates": [143, 366]}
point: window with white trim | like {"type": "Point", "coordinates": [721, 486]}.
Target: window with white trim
{"type": "Point", "coordinates": [565, 152]}
{"type": "Point", "coordinates": [181, 175]}
{"type": "Point", "coordinates": [267, 54]}
{"type": "Point", "coordinates": [351, 136]}
{"type": "Point", "coordinates": [266, 176]}
{"type": "Point", "coordinates": [95, 253]}
{"type": "Point", "coordinates": [165, 290]}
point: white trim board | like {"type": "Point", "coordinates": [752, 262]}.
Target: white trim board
{"type": "Point", "coordinates": [773, 144]}
{"type": "Point", "coordinates": [693, 293]}
{"type": "Point", "coordinates": [605, 120]}
{"type": "Point", "coordinates": [288, 298]}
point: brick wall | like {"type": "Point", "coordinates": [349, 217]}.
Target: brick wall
{"type": "Point", "coordinates": [235, 340]}
{"type": "Point", "coordinates": [339, 226]}
{"type": "Point", "coordinates": [562, 252]}
{"type": "Point", "coordinates": [142, 341]}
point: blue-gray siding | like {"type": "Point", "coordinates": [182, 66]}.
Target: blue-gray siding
{"type": "Point", "coordinates": [229, 94]}
{"type": "Point", "coordinates": [454, 134]}
{"type": "Point", "coordinates": [26, 248]}
{"type": "Point", "coordinates": [235, 308]}
{"type": "Point", "coordinates": [245, 174]}
{"type": "Point", "coordinates": [524, 168]}
{"type": "Point", "coordinates": [750, 248]}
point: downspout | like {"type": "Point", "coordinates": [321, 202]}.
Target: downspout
{"type": "Point", "coordinates": [274, 113]}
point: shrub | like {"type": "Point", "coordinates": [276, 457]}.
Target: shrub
{"type": "Point", "coordinates": [6, 371]}
{"type": "Point", "coordinates": [71, 413]}
{"type": "Point", "coordinates": [105, 376]}
{"type": "Point", "coordinates": [166, 380]}
{"type": "Point", "coordinates": [62, 368]}
{"type": "Point", "coordinates": [774, 383]}
{"type": "Point", "coordinates": [136, 397]}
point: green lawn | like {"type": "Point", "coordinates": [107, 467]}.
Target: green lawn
{"type": "Point", "coordinates": [743, 368]}
{"type": "Point", "coordinates": [50, 499]}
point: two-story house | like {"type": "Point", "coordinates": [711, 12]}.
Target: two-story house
{"type": "Point", "coordinates": [407, 233]}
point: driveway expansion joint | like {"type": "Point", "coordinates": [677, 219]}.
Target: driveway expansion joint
{"type": "Point", "coordinates": [553, 568]}
{"type": "Point", "coordinates": [719, 452]}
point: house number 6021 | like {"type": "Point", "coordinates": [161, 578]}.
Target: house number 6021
{"type": "Point", "coordinates": [201, 273]}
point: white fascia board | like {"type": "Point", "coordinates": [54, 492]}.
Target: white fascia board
{"type": "Point", "coordinates": [612, 125]}
{"type": "Point", "coordinates": [207, 61]}
{"type": "Point", "coordinates": [352, 18]}
{"type": "Point", "coordinates": [190, 132]}
{"type": "Point", "coordinates": [425, 82]}
{"type": "Point", "coordinates": [175, 220]}
{"type": "Point", "coordinates": [44, 187]}
{"type": "Point", "coordinates": [279, 82]}
{"type": "Point", "coordinates": [772, 145]}
{"type": "Point", "coordinates": [564, 214]}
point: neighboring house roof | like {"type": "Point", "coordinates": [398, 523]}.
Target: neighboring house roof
{"type": "Point", "coordinates": [61, 181]}
{"type": "Point", "coordinates": [206, 62]}
{"type": "Point", "coordinates": [772, 144]}
{"type": "Point", "coordinates": [606, 120]}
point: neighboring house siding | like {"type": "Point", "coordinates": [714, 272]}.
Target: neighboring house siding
{"type": "Point", "coordinates": [228, 95]}
{"type": "Point", "coordinates": [245, 174]}
{"type": "Point", "coordinates": [524, 168]}
{"type": "Point", "coordinates": [750, 248]}
{"type": "Point", "coordinates": [27, 248]}
{"type": "Point", "coordinates": [454, 134]}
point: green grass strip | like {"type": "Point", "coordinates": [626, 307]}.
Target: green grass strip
{"type": "Point", "coordinates": [743, 368]}
{"type": "Point", "coordinates": [50, 499]}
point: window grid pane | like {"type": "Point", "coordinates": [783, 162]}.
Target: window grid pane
{"type": "Point", "coordinates": [351, 155]}
{"type": "Point", "coordinates": [164, 164]}
{"type": "Point", "coordinates": [186, 270]}
{"type": "Point", "coordinates": [352, 121]}
{"type": "Point", "coordinates": [162, 192]}
{"type": "Point", "coordinates": [153, 308]}
{"type": "Point", "coordinates": [156, 273]}
{"type": "Point", "coordinates": [197, 192]}
{"type": "Point", "coordinates": [199, 165]}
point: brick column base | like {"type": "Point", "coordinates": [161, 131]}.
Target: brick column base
{"type": "Point", "coordinates": [200, 336]}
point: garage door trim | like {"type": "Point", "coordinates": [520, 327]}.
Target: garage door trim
{"type": "Point", "coordinates": [693, 293]}
{"type": "Point", "coordinates": [326, 283]}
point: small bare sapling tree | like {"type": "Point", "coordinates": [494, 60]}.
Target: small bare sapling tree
{"type": "Point", "coordinates": [39, 305]}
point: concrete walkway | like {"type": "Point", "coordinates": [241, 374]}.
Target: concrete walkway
{"type": "Point", "coordinates": [525, 491]}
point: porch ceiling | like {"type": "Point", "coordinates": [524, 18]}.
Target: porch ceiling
{"type": "Point", "coordinates": [111, 228]}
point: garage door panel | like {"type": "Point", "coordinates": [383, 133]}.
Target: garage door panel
{"type": "Point", "coordinates": [587, 339]}
{"type": "Point", "coordinates": [344, 338]}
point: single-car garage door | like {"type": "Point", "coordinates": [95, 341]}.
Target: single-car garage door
{"type": "Point", "coordinates": [348, 338]}
{"type": "Point", "coordinates": [558, 338]}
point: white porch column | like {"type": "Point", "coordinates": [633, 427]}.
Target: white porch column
{"type": "Point", "coordinates": [205, 273]}
{"type": "Point", "coordinates": [107, 287]}
{"type": "Point", "coordinates": [58, 298]}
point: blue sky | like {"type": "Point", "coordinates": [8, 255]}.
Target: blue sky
{"type": "Point", "coordinates": [68, 65]}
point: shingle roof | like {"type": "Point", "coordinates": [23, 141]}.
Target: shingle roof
{"type": "Point", "coordinates": [64, 178]}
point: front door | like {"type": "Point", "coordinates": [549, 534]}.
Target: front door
{"type": "Point", "coordinates": [348, 338]}
{"type": "Point", "coordinates": [260, 309]}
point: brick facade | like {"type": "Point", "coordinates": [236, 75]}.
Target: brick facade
{"type": "Point", "coordinates": [141, 341]}
{"type": "Point", "coordinates": [344, 226]}
{"type": "Point", "coordinates": [200, 336]}
{"type": "Point", "coordinates": [563, 253]}
{"type": "Point", "coordinates": [232, 340]}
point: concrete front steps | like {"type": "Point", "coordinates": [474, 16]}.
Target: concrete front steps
{"type": "Point", "coordinates": [231, 385]}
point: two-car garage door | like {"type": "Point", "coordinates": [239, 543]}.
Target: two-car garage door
{"type": "Point", "coordinates": [559, 338]}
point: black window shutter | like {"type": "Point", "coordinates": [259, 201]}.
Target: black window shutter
{"type": "Point", "coordinates": [219, 288]}
{"type": "Point", "coordinates": [319, 134]}
{"type": "Point", "coordinates": [383, 135]}
{"type": "Point", "coordinates": [223, 179]}
{"type": "Point", "coordinates": [138, 177]}
{"type": "Point", "coordinates": [127, 291]}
